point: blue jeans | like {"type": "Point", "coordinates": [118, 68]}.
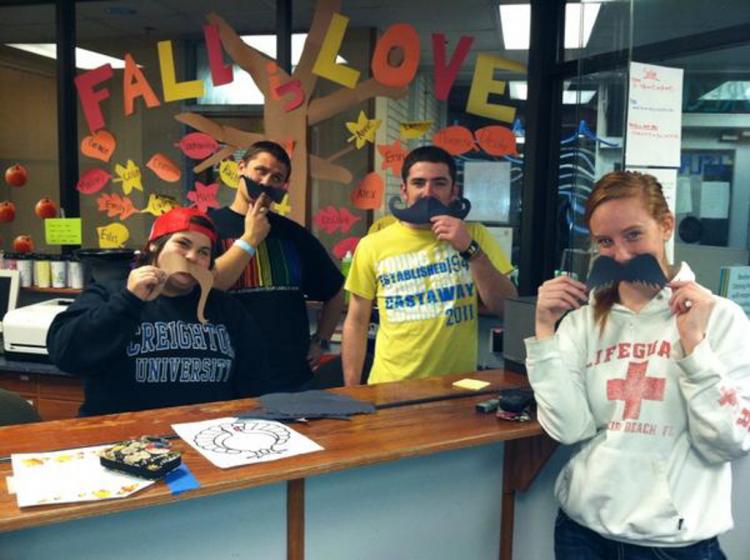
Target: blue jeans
{"type": "Point", "coordinates": [575, 542]}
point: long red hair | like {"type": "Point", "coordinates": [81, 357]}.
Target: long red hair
{"type": "Point", "coordinates": [614, 186]}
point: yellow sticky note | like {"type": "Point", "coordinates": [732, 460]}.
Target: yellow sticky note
{"type": "Point", "coordinates": [471, 384]}
{"type": "Point", "coordinates": [62, 231]}
{"type": "Point", "coordinates": [174, 91]}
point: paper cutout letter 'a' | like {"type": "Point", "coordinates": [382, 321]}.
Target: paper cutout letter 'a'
{"type": "Point", "coordinates": [173, 263]}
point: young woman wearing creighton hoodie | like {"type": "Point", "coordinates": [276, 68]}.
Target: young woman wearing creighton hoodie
{"type": "Point", "coordinates": [653, 384]}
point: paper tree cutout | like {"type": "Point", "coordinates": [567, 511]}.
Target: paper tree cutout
{"type": "Point", "coordinates": [393, 157]}
{"type": "Point", "coordinates": [331, 220]}
{"type": "Point", "coordinates": [115, 205]}
{"type": "Point", "coordinates": [159, 204]}
{"type": "Point", "coordinates": [129, 176]}
{"type": "Point", "coordinates": [100, 145]}
{"type": "Point", "coordinates": [363, 130]}
{"type": "Point", "coordinates": [280, 125]}
{"type": "Point", "coordinates": [204, 196]}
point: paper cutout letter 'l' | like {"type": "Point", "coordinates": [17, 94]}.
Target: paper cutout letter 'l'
{"type": "Point", "coordinates": [220, 73]}
{"type": "Point", "coordinates": [445, 75]}
{"type": "Point", "coordinates": [91, 98]}
{"type": "Point", "coordinates": [134, 84]}
{"type": "Point", "coordinates": [174, 91]}
{"type": "Point", "coordinates": [173, 263]}
{"type": "Point", "coordinates": [325, 64]}
{"type": "Point", "coordinates": [482, 84]}
{"type": "Point", "coordinates": [405, 37]}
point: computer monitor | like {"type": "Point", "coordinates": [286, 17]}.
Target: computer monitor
{"type": "Point", "coordinates": [9, 282]}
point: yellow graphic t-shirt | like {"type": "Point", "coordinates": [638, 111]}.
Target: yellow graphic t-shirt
{"type": "Point", "coordinates": [426, 300]}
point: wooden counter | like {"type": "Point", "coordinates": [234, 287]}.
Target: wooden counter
{"type": "Point", "coordinates": [409, 429]}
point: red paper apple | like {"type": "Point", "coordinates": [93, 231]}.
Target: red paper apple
{"type": "Point", "coordinates": [46, 208]}
{"type": "Point", "coordinates": [23, 244]}
{"type": "Point", "coordinates": [16, 175]}
{"type": "Point", "coordinates": [7, 211]}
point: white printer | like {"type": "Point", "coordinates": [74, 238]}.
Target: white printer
{"type": "Point", "coordinates": [25, 328]}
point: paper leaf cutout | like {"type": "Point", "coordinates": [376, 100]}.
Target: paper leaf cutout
{"type": "Point", "coordinates": [363, 130]}
{"type": "Point", "coordinates": [497, 140]}
{"type": "Point", "coordinates": [455, 140]}
{"type": "Point", "coordinates": [164, 168]}
{"type": "Point", "coordinates": [204, 196]}
{"type": "Point", "coordinates": [282, 208]}
{"type": "Point", "coordinates": [93, 180]}
{"type": "Point", "coordinates": [331, 219]}
{"type": "Point", "coordinates": [129, 176]}
{"type": "Point", "coordinates": [344, 246]}
{"type": "Point", "coordinates": [197, 145]}
{"type": "Point", "coordinates": [229, 172]}
{"type": "Point", "coordinates": [115, 205]}
{"type": "Point", "coordinates": [112, 236]}
{"type": "Point", "coordinates": [414, 129]}
{"type": "Point", "coordinates": [100, 145]}
{"type": "Point", "coordinates": [159, 204]}
{"type": "Point", "coordinates": [369, 192]}
{"type": "Point", "coordinates": [393, 157]}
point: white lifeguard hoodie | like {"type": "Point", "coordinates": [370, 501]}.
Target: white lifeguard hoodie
{"type": "Point", "coordinates": [657, 429]}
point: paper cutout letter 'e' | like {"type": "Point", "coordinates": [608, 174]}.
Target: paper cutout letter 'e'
{"type": "Point", "coordinates": [325, 64]}
{"type": "Point", "coordinates": [445, 75]}
{"type": "Point", "coordinates": [134, 84]}
{"type": "Point", "coordinates": [91, 98]}
{"type": "Point", "coordinates": [482, 84]}
{"type": "Point", "coordinates": [220, 73]}
{"type": "Point", "coordinates": [399, 36]}
{"type": "Point", "coordinates": [174, 91]}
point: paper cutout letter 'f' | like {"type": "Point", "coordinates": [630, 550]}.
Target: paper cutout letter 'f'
{"type": "Point", "coordinates": [91, 98]}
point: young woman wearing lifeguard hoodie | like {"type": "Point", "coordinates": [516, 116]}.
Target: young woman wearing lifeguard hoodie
{"type": "Point", "coordinates": [653, 384]}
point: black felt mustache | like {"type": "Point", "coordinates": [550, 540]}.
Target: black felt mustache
{"type": "Point", "coordinates": [643, 269]}
{"type": "Point", "coordinates": [256, 189]}
{"type": "Point", "coordinates": [426, 208]}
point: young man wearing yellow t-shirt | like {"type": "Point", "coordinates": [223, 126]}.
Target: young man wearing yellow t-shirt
{"type": "Point", "coordinates": [426, 272]}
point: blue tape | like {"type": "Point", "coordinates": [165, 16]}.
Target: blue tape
{"type": "Point", "coordinates": [181, 480]}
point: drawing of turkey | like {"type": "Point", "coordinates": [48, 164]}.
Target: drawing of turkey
{"type": "Point", "coordinates": [255, 439]}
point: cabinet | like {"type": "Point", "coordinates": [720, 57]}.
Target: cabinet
{"type": "Point", "coordinates": [54, 397]}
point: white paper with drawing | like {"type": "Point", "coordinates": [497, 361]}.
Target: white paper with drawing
{"type": "Point", "coordinates": [230, 442]}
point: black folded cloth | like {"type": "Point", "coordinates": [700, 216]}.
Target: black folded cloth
{"type": "Point", "coordinates": [307, 405]}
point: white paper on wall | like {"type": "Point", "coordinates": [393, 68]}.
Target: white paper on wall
{"type": "Point", "coordinates": [714, 199]}
{"type": "Point", "coordinates": [487, 186]}
{"type": "Point", "coordinates": [654, 123]}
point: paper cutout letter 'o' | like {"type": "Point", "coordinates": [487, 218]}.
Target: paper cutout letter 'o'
{"type": "Point", "coordinates": [369, 192]}
{"type": "Point", "coordinates": [100, 145]}
{"type": "Point", "coordinates": [399, 36]}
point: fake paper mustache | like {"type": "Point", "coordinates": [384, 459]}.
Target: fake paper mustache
{"type": "Point", "coordinates": [256, 189]}
{"type": "Point", "coordinates": [172, 263]}
{"type": "Point", "coordinates": [425, 208]}
{"type": "Point", "coordinates": [643, 269]}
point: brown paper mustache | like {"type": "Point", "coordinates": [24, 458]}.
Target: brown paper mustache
{"type": "Point", "coordinates": [173, 263]}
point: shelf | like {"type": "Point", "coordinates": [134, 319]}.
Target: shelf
{"type": "Point", "coordinates": [58, 291]}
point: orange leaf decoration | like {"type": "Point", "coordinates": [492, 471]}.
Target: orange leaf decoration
{"type": "Point", "coordinates": [369, 192]}
{"type": "Point", "coordinates": [455, 140]}
{"type": "Point", "coordinates": [344, 246]}
{"type": "Point", "coordinates": [100, 145]}
{"type": "Point", "coordinates": [115, 205]}
{"type": "Point", "coordinates": [164, 168]}
{"type": "Point", "coordinates": [93, 180]}
{"type": "Point", "coordinates": [393, 157]}
{"type": "Point", "coordinates": [497, 140]}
